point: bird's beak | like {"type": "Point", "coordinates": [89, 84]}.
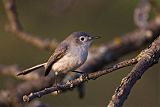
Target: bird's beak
{"type": "Point", "coordinates": [94, 37]}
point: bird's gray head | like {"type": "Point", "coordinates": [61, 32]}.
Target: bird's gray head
{"type": "Point", "coordinates": [81, 38]}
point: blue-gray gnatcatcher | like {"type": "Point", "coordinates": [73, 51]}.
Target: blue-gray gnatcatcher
{"type": "Point", "coordinates": [69, 55]}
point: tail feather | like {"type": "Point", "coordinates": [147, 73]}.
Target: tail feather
{"type": "Point", "coordinates": [26, 71]}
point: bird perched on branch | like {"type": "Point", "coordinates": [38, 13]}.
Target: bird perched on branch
{"type": "Point", "coordinates": [69, 55]}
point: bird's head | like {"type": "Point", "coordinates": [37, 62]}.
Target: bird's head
{"type": "Point", "coordinates": [81, 38]}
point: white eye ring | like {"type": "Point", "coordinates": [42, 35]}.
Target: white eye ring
{"type": "Point", "coordinates": [82, 38]}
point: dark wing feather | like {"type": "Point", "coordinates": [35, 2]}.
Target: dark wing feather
{"type": "Point", "coordinates": [60, 51]}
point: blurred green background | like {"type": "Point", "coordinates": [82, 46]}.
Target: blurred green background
{"type": "Point", "coordinates": [57, 19]}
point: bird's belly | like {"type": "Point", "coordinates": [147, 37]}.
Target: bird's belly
{"type": "Point", "coordinates": [69, 62]}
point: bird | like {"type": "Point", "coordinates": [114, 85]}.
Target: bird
{"type": "Point", "coordinates": [69, 55]}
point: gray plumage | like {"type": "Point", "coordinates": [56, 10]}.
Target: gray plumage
{"type": "Point", "coordinates": [70, 53]}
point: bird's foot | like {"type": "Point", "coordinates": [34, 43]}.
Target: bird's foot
{"type": "Point", "coordinates": [85, 75]}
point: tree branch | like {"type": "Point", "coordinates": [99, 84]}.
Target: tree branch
{"type": "Point", "coordinates": [149, 57]}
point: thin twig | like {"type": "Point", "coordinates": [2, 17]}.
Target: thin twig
{"type": "Point", "coordinates": [81, 79]}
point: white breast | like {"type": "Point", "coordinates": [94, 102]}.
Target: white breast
{"type": "Point", "coordinates": [72, 60]}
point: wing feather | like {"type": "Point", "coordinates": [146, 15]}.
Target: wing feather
{"type": "Point", "coordinates": [60, 51]}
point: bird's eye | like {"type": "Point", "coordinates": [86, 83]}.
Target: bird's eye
{"type": "Point", "coordinates": [82, 38]}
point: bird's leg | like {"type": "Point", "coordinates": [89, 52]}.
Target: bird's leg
{"type": "Point", "coordinates": [56, 74]}
{"type": "Point", "coordinates": [56, 82]}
